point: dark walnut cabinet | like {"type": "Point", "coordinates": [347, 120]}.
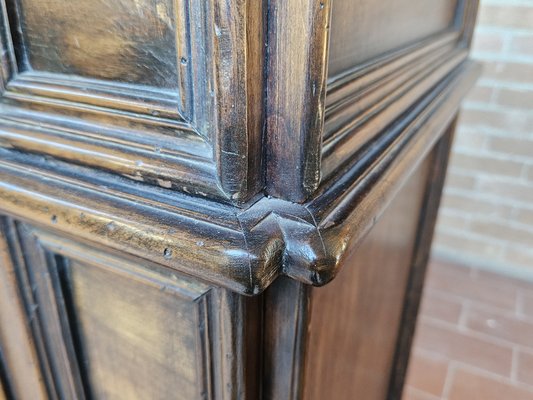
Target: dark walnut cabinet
{"type": "Point", "coordinates": [178, 177]}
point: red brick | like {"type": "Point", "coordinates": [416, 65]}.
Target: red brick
{"type": "Point", "coordinates": [516, 98]}
{"type": "Point", "coordinates": [427, 373]}
{"type": "Point", "coordinates": [526, 304]}
{"type": "Point", "coordinates": [519, 191]}
{"type": "Point", "coordinates": [468, 385]}
{"type": "Point", "coordinates": [469, 138]}
{"type": "Point", "coordinates": [471, 288]}
{"type": "Point", "coordinates": [529, 173]}
{"type": "Point", "coordinates": [524, 216]}
{"type": "Point", "coordinates": [462, 246]}
{"type": "Point", "coordinates": [454, 345]}
{"type": "Point", "coordinates": [452, 221]}
{"type": "Point", "coordinates": [481, 94]}
{"type": "Point", "coordinates": [474, 163]}
{"type": "Point", "coordinates": [501, 231]}
{"type": "Point", "coordinates": [522, 44]}
{"type": "Point", "coordinates": [509, 71]}
{"type": "Point", "coordinates": [498, 280]}
{"type": "Point", "coordinates": [512, 146]}
{"type": "Point", "coordinates": [524, 371]}
{"type": "Point", "coordinates": [441, 307]}
{"type": "Point", "coordinates": [460, 181]}
{"type": "Point", "coordinates": [491, 42]}
{"type": "Point", "coordinates": [508, 121]}
{"type": "Point", "coordinates": [501, 326]}
{"type": "Point", "coordinates": [520, 257]}
{"type": "Point", "coordinates": [472, 205]}
{"type": "Point", "coordinates": [518, 17]}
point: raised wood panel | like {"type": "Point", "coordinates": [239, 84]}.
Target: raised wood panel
{"type": "Point", "coordinates": [144, 341]}
{"type": "Point", "coordinates": [107, 327]}
{"type": "Point", "coordinates": [362, 30]}
{"type": "Point", "coordinates": [141, 88]}
{"type": "Point", "coordinates": [355, 320]}
{"type": "Point", "coordinates": [128, 41]}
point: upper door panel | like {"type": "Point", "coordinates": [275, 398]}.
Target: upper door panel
{"type": "Point", "coordinates": [168, 92]}
{"type": "Point", "coordinates": [125, 41]}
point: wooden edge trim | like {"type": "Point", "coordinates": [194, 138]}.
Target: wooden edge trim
{"type": "Point", "coordinates": [357, 132]}
{"type": "Point", "coordinates": [243, 250]}
{"type": "Point", "coordinates": [239, 83]}
{"type": "Point", "coordinates": [343, 220]}
{"type": "Point", "coordinates": [195, 174]}
{"type": "Point", "coordinates": [381, 91]}
{"type": "Point", "coordinates": [345, 85]}
{"type": "Point", "coordinates": [297, 39]}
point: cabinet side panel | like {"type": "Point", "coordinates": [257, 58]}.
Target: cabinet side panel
{"type": "Point", "coordinates": [355, 320]}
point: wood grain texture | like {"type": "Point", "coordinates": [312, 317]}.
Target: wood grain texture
{"type": "Point", "coordinates": [116, 35]}
{"type": "Point", "coordinates": [296, 87]}
{"type": "Point", "coordinates": [175, 174]}
{"type": "Point", "coordinates": [355, 320]}
{"type": "Point", "coordinates": [110, 327]}
{"type": "Point", "coordinates": [178, 82]}
{"type": "Point", "coordinates": [270, 238]}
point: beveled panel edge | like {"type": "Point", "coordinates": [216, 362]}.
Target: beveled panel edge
{"type": "Point", "coordinates": [190, 172]}
{"type": "Point", "coordinates": [36, 86]}
{"type": "Point", "coordinates": [343, 88]}
{"type": "Point", "coordinates": [222, 338]}
{"type": "Point", "coordinates": [363, 101]}
{"type": "Point", "coordinates": [228, 136]}
{"type": "Point", "coordinates": [350, 207]}
{"type": "Point", "coordinates": [195, 292]}
{"type": "Point", "coordinates": [240, 86]}
{"type": "Point", "coordinates": [243, 250]}
{"type": "Point", "coordinates": [357, 124]}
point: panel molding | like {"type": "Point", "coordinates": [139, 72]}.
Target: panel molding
{"type": "Point", "coordinates": [368, 105]}
{"type": "Point", "coordinates": [43, 249]}
{"type": "Point", "coordinates": [220, 53]}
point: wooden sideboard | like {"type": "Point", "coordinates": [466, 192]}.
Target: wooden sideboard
{"type": "Point", "coordinates": [177, 177]}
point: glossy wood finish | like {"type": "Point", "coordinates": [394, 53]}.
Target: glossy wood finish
{"type": "Point", "coordinates": [175, 176]}
{"type": "Point", "coordinates": [296, 90]}
{"type": "Point", "coordinates": [141, 34]}
{"type": "Point", "coordinates": [134, 87]}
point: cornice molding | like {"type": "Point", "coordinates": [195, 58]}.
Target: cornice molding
{"type": "Point", "coordinates": [242, 249]}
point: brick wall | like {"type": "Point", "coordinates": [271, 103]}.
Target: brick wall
{"type": "Point", "coordinates": [486, 217]}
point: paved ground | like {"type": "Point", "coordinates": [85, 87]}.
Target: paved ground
{"type": "Point", "coordinates": [474, 338]}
